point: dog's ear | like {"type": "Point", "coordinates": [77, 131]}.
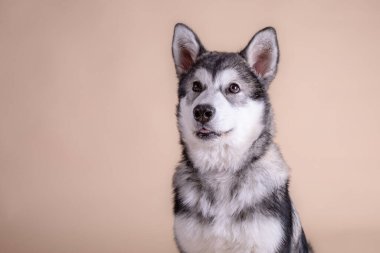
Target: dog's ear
{"type": "Point", "coordinates": [262, 54]}
{"type": "Point", "coordinates": [186, 47]}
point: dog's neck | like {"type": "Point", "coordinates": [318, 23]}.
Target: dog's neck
{"type": "Point", "coordinates": [225, 157]}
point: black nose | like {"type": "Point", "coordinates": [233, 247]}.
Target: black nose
{"type": "Point", "coordinates": [203, 113]}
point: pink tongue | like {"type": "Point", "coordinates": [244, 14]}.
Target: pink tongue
{"type": "Point", "coordinates": [204, 130]}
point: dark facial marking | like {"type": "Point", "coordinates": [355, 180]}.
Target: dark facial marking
{"type": "Point", "coordinates": [215, 62]}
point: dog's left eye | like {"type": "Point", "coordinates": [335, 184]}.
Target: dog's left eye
{"type": "Point", "coordinates": [234, 88]}
{"type": "Point", "coordinates": [197, 86]}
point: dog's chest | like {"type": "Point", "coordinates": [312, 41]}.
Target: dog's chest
{"type": "Point", "coordinates": [224, 235]}
{"type": "Point", "coordinates": [214, 224]}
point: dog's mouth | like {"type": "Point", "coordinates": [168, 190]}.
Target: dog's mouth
{"type": "Point", "coordinates": [207, 134]}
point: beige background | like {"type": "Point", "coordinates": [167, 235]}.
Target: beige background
{"type": "Point", "coordinates": [88, 138]}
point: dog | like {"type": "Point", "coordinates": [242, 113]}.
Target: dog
{"type": "Point", "coordinates": [231, 185]}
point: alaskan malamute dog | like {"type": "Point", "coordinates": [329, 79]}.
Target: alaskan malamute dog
{"type": "Point", "coordinates": [231, 186]}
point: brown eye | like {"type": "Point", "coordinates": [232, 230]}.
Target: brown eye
{"type": "Point", "coordinates": [197, 86]}
{"type": "Point", "coordinates": [234, 88]}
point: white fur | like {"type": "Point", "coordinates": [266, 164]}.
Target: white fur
{"type": "Point", "coordinates": [270, 172]}
{"type": "Point", "coordinates": [260, 235]}
{"type": "Point", "coordinates": [227, 151]}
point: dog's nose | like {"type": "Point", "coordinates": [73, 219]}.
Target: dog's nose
{"type": "Point", "coordinates": [203, 113]}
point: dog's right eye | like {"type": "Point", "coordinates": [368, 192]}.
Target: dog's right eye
{"type": "Point", "coordinates": [197, 86]}
{"type": "Point", "coordinates": [234, 88]}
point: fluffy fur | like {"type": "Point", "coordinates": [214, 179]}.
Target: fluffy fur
{"type": "Point", "coordinates": [231, 186]}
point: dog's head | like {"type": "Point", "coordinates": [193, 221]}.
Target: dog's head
{"type": "Point", "coordinates": [223, 96]}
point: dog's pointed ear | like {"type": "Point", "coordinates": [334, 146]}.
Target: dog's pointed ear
{"type": "Point", "coordinates": [186, 47]}
{"type": "Point", "coordinates": [262, 54]}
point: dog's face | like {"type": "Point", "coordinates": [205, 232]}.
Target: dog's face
{"type": "Point", "coordinates": [223, 96]}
